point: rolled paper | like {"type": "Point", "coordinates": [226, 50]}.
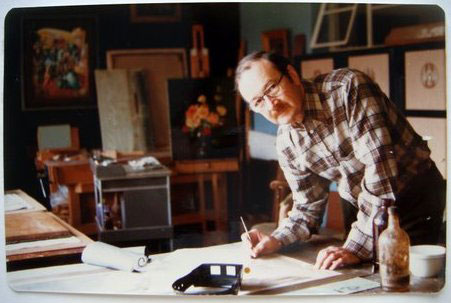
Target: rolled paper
{"type": "Point", "coordinates": [106, 255]}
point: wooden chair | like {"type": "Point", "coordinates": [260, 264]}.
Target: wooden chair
{"type": "Point", "coordinates": [76, 174]}
{"type": "Point", "coordinates": [282, 204]}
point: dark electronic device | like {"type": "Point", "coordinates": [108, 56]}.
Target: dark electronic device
{"type": "Point", "coordinates": [217, 279]}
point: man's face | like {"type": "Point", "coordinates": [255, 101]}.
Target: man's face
{"type": "Point", "coordinates": [277, 97]}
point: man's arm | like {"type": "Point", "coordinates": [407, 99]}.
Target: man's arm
{"type": "Point", "coordinates": [310, 193]}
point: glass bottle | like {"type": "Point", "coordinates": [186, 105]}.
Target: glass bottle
{"type": "Point", "coordinates": [380, 222]}
{"type": "Point", "coordinates": [393, 252]}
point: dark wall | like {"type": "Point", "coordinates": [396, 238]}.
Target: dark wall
{"type": "Point", "coordinates": [113, 31]}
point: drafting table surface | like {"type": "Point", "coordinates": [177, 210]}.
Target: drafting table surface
{"type": "Point", "coordinates": [163, 271]}
{"type": "Point", "coordinates": [166, 268]}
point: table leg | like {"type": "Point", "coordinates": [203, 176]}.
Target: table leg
{"type": "Point", "coordinates": [201, 187]}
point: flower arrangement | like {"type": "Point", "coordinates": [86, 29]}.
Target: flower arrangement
{"type": "Point", "coordinates": [200, 118]}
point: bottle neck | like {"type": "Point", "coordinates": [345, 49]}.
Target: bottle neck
{"type": "Point", "coordinates": [393, 220]}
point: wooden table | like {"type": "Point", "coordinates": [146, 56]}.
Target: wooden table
{"type": "Point", "coordinates": [308, 251]}
{"type": "Point", "coordinates": [200, 172]}
{"type": "Point", "coordinates": [39, 227]}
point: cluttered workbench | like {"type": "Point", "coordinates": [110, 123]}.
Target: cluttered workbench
{"type": "Point", "coordinates": [287, 273]}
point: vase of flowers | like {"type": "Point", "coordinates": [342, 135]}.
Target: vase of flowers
{"type": "Point", "coordinates": [201, 118]}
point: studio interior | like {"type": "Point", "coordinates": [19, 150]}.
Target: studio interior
{"type": "Point", "coordinates": [100, 103]}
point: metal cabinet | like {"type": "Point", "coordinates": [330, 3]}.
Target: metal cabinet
{"type": "Point", "coordinates": [144, 198]}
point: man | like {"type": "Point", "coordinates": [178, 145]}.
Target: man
{"type": "Point", "coordinates": [341, 127]}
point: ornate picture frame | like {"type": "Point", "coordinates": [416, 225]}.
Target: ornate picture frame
{"type": "Point", "coordinates": [58, 60]}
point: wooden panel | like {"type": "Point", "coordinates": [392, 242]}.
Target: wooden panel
{"type": "Point", "coordinates": [51, 250]}
{"type": "Point", "coordinates": [69, 172]}
{"type": "Point", "coordinates": [416, 34]}
{"type": "Point", "coordinates": [33, 226]}
{"type": "Point", "coordinates": [204, 166]}
{"type": "Point", "coordinates": [123, 110]}
{"type": "Point", "coordinates": [159, 65]}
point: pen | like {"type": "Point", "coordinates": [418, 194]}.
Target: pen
{"type": "Point", "coordinates": [245, 229]}
{"type": "Point", "coordinates": [247, 268]}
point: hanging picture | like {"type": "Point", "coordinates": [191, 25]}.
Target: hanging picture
{"type": "Point", "coordinates": [433, 130]}
{"type": "Point", "coordinates": [58, 61]}
{"type": "Point", "coordinates": [375, 66]}
{"type": "Point", "coordinates": [315, 67]}
{"type": "Point", "coordinates": [425, 80]}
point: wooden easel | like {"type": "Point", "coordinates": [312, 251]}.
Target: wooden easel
{"type": "Point", "coordinates": [200, 67]}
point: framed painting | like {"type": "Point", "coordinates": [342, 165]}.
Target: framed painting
{"type": "Point", "coordinates": [203, 119]}
{"type": "Point", "coordinates": [276, 41]}
{"type": "Point", "coordinates": [315, 67]}
{"type": "Point", "coordinates": [58, 59]}
{"type": "Point", "coordinates": [376, 66]}
{"type": "Point", "coordinates": [155, 13]}
{"type": "Point", "coordinates": [433, 130]}
{"type": "Point", "coordinates": [425, 86]}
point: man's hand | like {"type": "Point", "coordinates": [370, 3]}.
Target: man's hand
{"type": "Point", "coordinates": [333, 257]}
{"type": "Point", "coordinates": [259, 243]}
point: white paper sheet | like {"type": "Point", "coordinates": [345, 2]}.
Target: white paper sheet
{"type": "Point", "coordinates": [15, 202]}
{"type": "Point", "coordinates": [266, 273]}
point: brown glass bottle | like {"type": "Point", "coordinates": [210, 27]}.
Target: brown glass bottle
{"type": "Point", "coordinates": [393, 254]}
{"type": "Point", "coordinates": [380, 222]}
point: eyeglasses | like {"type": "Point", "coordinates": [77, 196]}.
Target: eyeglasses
{"type": "Point", "coordinates": [272, 91]}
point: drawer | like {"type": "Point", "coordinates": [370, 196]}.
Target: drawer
{"type": "Point", "coordinates": [205, 166]}
{"type": "Point", "coordinates": [131, 184]}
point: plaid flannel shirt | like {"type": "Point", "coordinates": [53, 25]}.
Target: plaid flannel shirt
{"type": "Point", "coordinates": [354, 135]}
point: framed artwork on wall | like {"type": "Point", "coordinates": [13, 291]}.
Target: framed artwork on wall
{"type": "Point", "coordinates": [433, 130]}
{"type": "Point", "coordinates": [376, 66]}
{"type": "Point", "coordinates": [155, 13]}
{"type": "Point", "coordinates": [276, 41]}
{"type": "Point", "coordinates": [425, 81]}
{"type": "Point", "coordinates": [58, 59]}
{"type": "Point", "coordinates": [315, 67]}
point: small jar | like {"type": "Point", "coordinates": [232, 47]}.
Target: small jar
{"type": "Point", "coordinates": [393, 252]}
